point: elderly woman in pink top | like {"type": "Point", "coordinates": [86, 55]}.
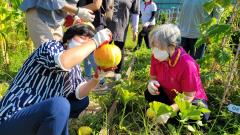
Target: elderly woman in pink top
{"type": "Point", "coordinates": [172, 69]}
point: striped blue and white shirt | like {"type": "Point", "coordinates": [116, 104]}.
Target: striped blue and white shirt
{"type": "Point", "coordinates": [41, 77]}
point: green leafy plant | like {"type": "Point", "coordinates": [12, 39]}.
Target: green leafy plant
{"type": "Point", "coordinates": [188, 111]}
{"type": "Point", "coordinates": [220, 63]}
{"type": "Point", "coordinates": [161, 108]}
{"type": "Point", "coordinates": [125, 96]}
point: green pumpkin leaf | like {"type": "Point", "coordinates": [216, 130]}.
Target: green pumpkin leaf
{"type": "Point", "coordinates": [160, 108]}
{"type": "Point", "coordinates": [187, 110]}
{"type": "Point", "coordinates": [195, 115]}
{"type": "Point", "coordinates": [182, 103]}
{"type": "Point", "coordinates": [126, 96]}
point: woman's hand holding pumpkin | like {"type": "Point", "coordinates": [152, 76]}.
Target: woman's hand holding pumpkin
{"type": "Point", "coordinates": [101, 73]}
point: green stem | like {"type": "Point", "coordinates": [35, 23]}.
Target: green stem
{"type": "Point", "coordinates": [180, 129]}
{"type": "Point", "coordinates": [214, 122]}
{"type": "Point", "coordinates": [122, 117]}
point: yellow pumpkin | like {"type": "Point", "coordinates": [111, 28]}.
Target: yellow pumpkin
{"type": "Point", "coordinates": [108, 56]}
{"type": "Point", "coordinates": [84, 130]}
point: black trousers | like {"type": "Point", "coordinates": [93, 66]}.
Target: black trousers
{"type": "Point", "coordinates": [144, 34]}
{"type": "Point", "coordinates": [162, 97]}
{"type": "Point", "coordinates": [189, 46]}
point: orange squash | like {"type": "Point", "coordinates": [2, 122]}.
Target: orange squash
{"type": "Point", "coordinates": [107, 57]}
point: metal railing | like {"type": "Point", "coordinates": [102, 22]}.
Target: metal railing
{"type": "Point", "coordinates": [170, 10]}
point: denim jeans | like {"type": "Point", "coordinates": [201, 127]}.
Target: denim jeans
{"type": "Point", "coordinates": [49, 117]}
{"type": "Point", "coordinates": [89, 64]}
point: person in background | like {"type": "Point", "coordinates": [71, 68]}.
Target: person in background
{"type": "Point", "coordinates": [191, 16]}
{"type": "Point", "coordinates": [148, 13]}
{"type": "Point", "coordinates": [122, 10]}
{"type": "Point", "coordinates": [99, 23]}
{"type": "Point", "coordinates": [172, 69]}
{"type": "Point", "coordinates": [45, 18]}
{"type": "Point", "coordinates": [50, 88]}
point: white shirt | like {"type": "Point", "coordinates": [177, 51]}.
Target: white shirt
{"type": "Point", "coordinates": [146, 12]}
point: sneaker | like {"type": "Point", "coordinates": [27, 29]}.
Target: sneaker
{"type": "Point", "coordinates": [117, 77]}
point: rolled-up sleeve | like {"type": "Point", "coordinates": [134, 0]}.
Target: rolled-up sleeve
{"type": "Point", "coordinates": [49, 55]}
{"type": "Point", "coordinates": [77, 91]}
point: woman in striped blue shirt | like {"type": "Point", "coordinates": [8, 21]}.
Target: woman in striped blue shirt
{"type": "Point", "coordinates": [49, 88]}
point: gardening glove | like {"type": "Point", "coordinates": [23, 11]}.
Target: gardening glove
{"type": "Point", "coordinates": [102, 37]}
{"type": "Point", "coordinates": [85, 14]}
{"type": "Point", "coordinates": [162, 119]}
{"type": "Point", "coordinates": [153, 86]}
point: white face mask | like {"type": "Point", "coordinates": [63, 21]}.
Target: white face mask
{"type": "Point", "coordinates": [73, 43]}
{"type": "Point", "coordinates": [159, 54]}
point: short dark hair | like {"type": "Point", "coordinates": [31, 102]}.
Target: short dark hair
{"type": "Point", "coordinates": [78, 29]}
